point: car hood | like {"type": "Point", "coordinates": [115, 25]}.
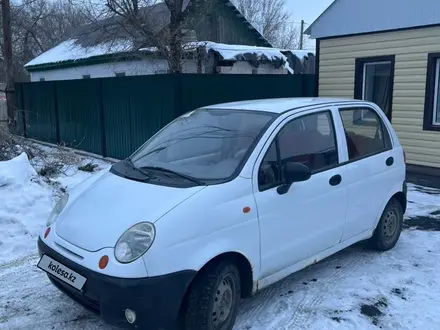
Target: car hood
{"type": "Point", "coordinates": [101, 210]}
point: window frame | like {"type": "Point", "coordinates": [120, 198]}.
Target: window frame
{"type": "Point", "coordinates": [277, 146]}
{"type": "Point", "coordinates": [359, 83]}
{"type": "Point", "coordinates": [431, 96]}
{"type": "Point", "coordinates": [388, 142]}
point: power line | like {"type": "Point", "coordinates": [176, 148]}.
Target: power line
{"type": "Point", "coordinates": [296, 22]}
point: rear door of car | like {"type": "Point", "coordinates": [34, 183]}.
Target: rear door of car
{"type": "Point", "coordinates": [371, 168]}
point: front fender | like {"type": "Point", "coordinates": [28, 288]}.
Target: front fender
{"type": "Point", "coordinates": [206, 226]}
{"type": "Point", "coordinates": [193, 254]}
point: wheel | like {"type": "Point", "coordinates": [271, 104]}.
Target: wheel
{"type": "Point", "coordinates": [212, 302]}
{"type": "Point", "coordinates": [388, 230]}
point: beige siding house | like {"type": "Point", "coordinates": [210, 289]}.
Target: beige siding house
{"type": "Point", "coordinates": [387, 52]}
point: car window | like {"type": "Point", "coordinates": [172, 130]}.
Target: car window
{"type": "Point", "coordinates": [269, 174]}
{"type": "Point", "coordinates": [365, 132]}
{"type": "Point", "coordinates": [309, 140]}
{"type": "Point", "coordinates": [207, 144]}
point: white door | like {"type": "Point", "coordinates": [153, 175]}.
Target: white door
{"type": "Point", "coordinates": [372, 168]}
{"type": "Point", "coordinates": [310, 217]}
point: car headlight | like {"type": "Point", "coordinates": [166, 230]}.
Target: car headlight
{"type": "Point", "coordinates": [59, 207]}
{"type": "Point", "coordinates": [135, 242]}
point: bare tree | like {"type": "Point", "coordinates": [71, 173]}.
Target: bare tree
{"type": "Point", "coordinates": [272, 19]}
{"type": "Point", "coordinates": [7, 55]}
{"type": "Point", "coordinates": [144, 24]}
{"type": "Point", "coordinates": [36, 26]}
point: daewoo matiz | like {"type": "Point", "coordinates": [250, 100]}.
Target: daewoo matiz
{"type": "Point", "coordinates": [222, 202]}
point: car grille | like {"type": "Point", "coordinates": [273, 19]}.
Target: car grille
{"type": "Point", "coordinates": [88, 302]}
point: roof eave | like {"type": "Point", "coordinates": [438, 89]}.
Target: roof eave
{"type": "Point", "coordinates": [100, 59]}
{"type": "Point", "coordinates": [308, 31]}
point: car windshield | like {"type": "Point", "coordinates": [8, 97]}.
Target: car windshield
{"type": "Point", "coordinates": [205, 144]}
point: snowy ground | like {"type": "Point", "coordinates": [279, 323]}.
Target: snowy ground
{"type": "Point", "coordinates": [355, 289]}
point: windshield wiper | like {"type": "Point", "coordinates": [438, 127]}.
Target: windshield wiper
{"type": "Point", "coordinates": [130, 162]}
{"type": "Point", "coordinates": [162, 169]}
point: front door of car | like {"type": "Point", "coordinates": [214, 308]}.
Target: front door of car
{"type": "Point", "coordinates": [309, 218]}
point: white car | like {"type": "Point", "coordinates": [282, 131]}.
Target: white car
{"type": "Point", "coordinates": [222, 202]}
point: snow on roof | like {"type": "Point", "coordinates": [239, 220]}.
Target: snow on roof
{"type": "Point", "coordinates": [301, 54]}
{"type": "Point", "coordinates": [244, 53]}
{"type": "Point", "coordinates": [69, 50]}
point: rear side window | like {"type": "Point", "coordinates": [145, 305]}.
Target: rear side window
{"type": "Point", "coordinates": [365, 132]}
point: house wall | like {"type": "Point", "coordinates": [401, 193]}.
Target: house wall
{"type": "Point", "coordinates": [246, 68]}
{"type": "Point", "coordinates": [145, 67]}
{"type": "Point", "coordinates": [224, 26]}
{"type": "Point", "coordinates": [131, 68]}
{"type": "Point", "coordinates": [411, 48]}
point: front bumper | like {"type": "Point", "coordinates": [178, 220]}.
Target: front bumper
{"type": "Point", "coordinates": [156, 300]}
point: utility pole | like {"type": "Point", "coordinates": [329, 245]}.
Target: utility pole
{"type": "Point", "coordinates": [301, 40]}
{"type": "Point", "coordinates": [7, 54]}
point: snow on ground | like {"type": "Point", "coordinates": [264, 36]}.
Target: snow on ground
{"type": "Point", "coordinates": [354, 289]}
{"type": "Point", "coordinates": [26, 200]}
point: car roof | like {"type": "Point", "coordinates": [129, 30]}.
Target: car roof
{"type": "Point", "coordinates": [280, 105]}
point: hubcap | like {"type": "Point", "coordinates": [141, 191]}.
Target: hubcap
{"type": "Point", "coordinates": [390, 224]}
{"type": "Point", "coordinates": [222, 302]}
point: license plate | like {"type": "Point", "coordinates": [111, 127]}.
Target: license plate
{"type": "Point", "coordinates": [62, 272]}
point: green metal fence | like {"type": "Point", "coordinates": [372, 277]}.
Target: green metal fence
{"type": "Point", "coordinates": [114, 116]}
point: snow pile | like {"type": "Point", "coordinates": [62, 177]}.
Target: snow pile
{"type": "Point", "coordinates": [70, 50]}
{"type": "Point", "coordinates": [16, 172]}
{"type": "Point", "coordinates": [25, 203]}
{"type": "Point", "coordinates": [27, 198]}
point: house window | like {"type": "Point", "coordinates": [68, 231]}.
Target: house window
{"type": "Point", "coordinates": [375, 80]}
{"type": "Point", "coordinates": [436, 107]}
{"type": "Point", "coordinates": [431, 120]}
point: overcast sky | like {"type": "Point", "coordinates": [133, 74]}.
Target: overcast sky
{"type": "Point", "coordinates": [308, 11]}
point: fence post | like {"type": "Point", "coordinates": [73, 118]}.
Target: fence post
{"type": "Point", "coordinates": [178, 94]}
{"type": "Point", "coordinates": [57, 115]}
{"type": "Point", "coordinates": [303, 90]}
{"type": "Point", "coordinates": [23, 116]}
{"type": "Point", "coordinates": [101, 120]}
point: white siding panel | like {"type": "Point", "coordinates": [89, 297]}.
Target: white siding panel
{"type": "Point", "coordinates": [411, 48]}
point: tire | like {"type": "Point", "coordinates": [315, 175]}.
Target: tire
{"type": "Point", "coordinates": [214, 291]}
{"type": "Point", "coordinates": [388, 229]}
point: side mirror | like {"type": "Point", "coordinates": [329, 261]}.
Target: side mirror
{"type": "Point", "coordinates": [294, 172]}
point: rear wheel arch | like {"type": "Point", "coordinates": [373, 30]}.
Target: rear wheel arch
{"type": "Point", "coordinates": [401, 198]}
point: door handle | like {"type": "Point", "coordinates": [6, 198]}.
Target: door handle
{"type": "Point", "coordinates": [335, 180]}
{"type": "Point", "coordinates": [390, 161]}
